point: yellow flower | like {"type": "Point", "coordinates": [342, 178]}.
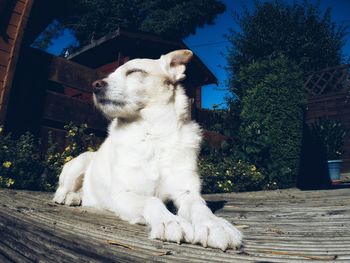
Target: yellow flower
{"type": "Point", "coordinates": [1, 129]}
{"type": "Point", "coordinates": [68, 158]}
{"type": "Point", "coordinates": [67, 148]}
{"type": "Point", "coordinates": [253, 168]}
{"type": "Point", "coordinates": [49, 158]}
{"type": "Point", "coordinates": [7, 164]}
{"type": "Point", "coordinates": [90, 149]}
{"type": "Point", "coordinates": [10, 182]}
{"type": "Point", "coordinates": [71, 133]}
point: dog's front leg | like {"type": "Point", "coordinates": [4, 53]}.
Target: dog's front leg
{"type": "Point", "coordinates": [71, 180]}
{"type": "Point", "coordinates": [152, 211]}
{"type": "Point", "coordinates": [209, 230]}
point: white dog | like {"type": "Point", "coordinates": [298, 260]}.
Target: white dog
{"type": "Point", "coordinates": [149, 156]}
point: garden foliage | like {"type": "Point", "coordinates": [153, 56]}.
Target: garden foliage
{"type": "Point", "coordinates": [277, 41]}
{"type": "Point", "coordinates": [271, 118]}
{"type": "Point", "coordinates": [223, 171]}
{"type": "Point", "coordinates": [20, 163]}
{"type": "Point", "coordinates": [330, 134]}
{"type": "Point", "coordinates": [25, 165]}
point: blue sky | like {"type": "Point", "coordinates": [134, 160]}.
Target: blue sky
{"type": "Point", "coordinates": [211, 46]}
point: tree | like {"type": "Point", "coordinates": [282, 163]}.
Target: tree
{"type": "Point", "coordinates": [300, 31]}
{"type": "Point", "coordinates": [92, 19]}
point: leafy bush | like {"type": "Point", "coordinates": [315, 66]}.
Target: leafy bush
{"type": "Point", "coordinates": [229, 175]}
{"type": "Point", "coordinates": [225, 170]}
{"type": "Point", "coordinates": [223, 121]}
{"type": "Point", "coordinates": [23, 166]}
{"type": "Point", "coordinates": [272, 116]}
{"type": "Point", "coordinates": [77, 142]}
{"type": "Point", "coordinates": [331, 135]}
{"type": "Point", "coordinates": [20, 164]}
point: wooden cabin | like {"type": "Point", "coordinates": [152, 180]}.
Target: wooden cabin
{"type": "Point", "coordinates": [21, 21]}
{"type": "Point", "coordinates": [109, 52]}
{"type": "Point", "coordinates": [40, 92]}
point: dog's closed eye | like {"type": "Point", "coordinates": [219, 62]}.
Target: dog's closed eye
{"type": "Point", "coordinates": [134, 70]}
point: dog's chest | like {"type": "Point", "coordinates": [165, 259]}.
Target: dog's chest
{"type": "Point", "coordinates": [142, 158]}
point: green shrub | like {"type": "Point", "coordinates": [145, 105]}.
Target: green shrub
{"type": "Point", "coordinates": [224, 121]}
{"type": "Point", "coordinates": [77, 142]}
{"type": "Point", "coordinates": [24, 166]}
{"type": "Point", "coordinates": [271, 118]}
{"type": "Point", "coordinates": [330, 134]}
{"type": "Point", "coordinates": [226, 170]}
{"type": "Point", "coordinates": [229, 175]}
{"type": "Point", "coordinates": [20, 163]}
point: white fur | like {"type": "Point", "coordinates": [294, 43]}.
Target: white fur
{"type": "Point", "coordinates": [149, 157]}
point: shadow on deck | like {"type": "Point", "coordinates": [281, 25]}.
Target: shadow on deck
{"type": "Point", "coordinates": [279, 226]}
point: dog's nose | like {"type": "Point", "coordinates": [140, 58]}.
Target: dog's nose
{"type": "Point", "coordinates": [98, 85]}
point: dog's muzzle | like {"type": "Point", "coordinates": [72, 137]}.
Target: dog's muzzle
{"type": "Point", "coordinates": [98, 86]}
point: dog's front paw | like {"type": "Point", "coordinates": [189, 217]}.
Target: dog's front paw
{"type": "Point", "coordinates": [67, 198]}
{"type": "Point", "coordinates": [73, 199]}
{"type": "Point", "coordinates": [217, 233]}
{"type": "Point", "coordinates": [60, 196]}
{"type": "Point", "coordinates": [175, 229]}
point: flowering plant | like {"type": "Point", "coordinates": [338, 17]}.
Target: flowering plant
{"type": "Point", "coordinates": [20, 164]}
{"type": "Point", "coordinates": [23, 166]}
{"type": "Point", "coordinates": [77, 141]}
{"type": "Point", "coordinates": [229, 175]}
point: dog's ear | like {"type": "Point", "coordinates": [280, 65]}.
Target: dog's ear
{"type": "Point", "coordinates": [175, 63]}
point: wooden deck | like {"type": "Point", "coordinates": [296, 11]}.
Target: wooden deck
{"type": "Point", "coordinates": [279, 226]}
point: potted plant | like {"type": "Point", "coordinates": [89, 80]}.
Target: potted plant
{"type": "Point", "coordinates": [331, 134]}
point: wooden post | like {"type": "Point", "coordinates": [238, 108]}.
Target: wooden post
{"type": "Point", "coordinates": [13, 21]}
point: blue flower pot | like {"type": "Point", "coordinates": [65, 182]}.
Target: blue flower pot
{"type": "Point", "coordinates": [334, 169]}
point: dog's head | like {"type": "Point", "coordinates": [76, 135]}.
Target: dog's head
{"type": "Point", "coordinates": [139, 83]}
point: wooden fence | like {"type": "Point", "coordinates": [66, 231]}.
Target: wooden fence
{"type": "Point", "coordinates": [329, 97]}
{"type": "Point", "coordinates": [327, 80]}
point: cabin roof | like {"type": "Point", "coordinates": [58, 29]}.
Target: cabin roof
{"type": "Point", "coordinates": [138, 45]}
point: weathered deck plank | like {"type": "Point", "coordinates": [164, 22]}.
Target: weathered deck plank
{"type": "Point", "coordinates": [279, 226]}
